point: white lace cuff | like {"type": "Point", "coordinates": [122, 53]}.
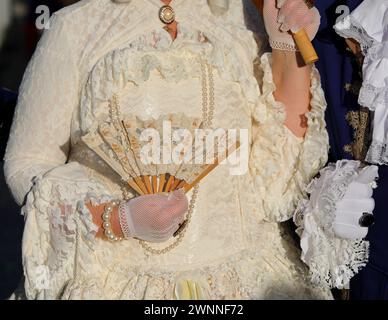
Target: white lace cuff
{"type": "Point", "coordinates": [365, 23]}
{"type": "Point", "coordinates": [350, 28]}
{"type": "Point", "coordinates": [56, 220]}
{"type": "Point", "coordinates": [332, 261]}
{"type": "Point", "coordinates": [374, 95]}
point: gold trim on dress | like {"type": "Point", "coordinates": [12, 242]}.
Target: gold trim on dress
{"type": "Point", "coordinates": [359, 121]}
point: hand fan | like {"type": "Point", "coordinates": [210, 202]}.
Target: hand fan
{"type": "Point", "coordinates": [121, 142]}
{"type": "Point", "coordinates": [301, 38]}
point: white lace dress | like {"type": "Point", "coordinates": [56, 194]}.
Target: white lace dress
{"type": "Point", "coordinates": [234, 246]}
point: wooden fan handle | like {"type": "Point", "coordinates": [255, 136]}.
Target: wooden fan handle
{"type": "Point", "coordinates": [169, 184]}
{"type": "Point", "coordinates": [305, 47]}
{"type": "Point", "coordinates": [181, 185]}
{"type": "Point", "coordinates": [155, 184]}
{"type": "Point", "coordinates": [141, 185]}
{"type": "Point", "coordinates": [135, 187]}
{"type": "Point", "coordinates": [175, 185]}
{"type": "Point", "coordinates": [204, 173]}
{"type": "Point", "coordinates": [147, 182]}
{"type": "Point", "coordinates": [162, 181]}
{"type": "Point", "coordinates": [301, 39]}
{"type": "Point", "coordinates": [187, 187]}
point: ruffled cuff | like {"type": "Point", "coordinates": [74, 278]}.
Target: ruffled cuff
{"type": "Point", "coordinates": [332, 261]}
{"type": "Point", "coordinates": [56, 220]}
{"type": "Point", "coordinates": [374, 95]}
{"type": "Point", "coordinates": [350, 28]}
{"type": "Point", "coordinates": [374, 91]}
{"type": "Point", "coordinates": [378, 152]}
{"type": "Point", "coordinates": [367, 25]}
{"type": "Point", "coordinates": [282, 163]}
{"type": "Point", "coordinates": [364, 24]}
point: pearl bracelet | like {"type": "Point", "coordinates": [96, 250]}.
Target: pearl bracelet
{"type": "Point", "coordinates": [106, 222]}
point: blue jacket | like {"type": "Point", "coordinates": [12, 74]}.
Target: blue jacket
{"type": "Point", "coordinates": [340, 80]}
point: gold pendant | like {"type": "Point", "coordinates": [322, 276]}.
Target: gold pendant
{"type": "Point", "coordinates": [167, 14]}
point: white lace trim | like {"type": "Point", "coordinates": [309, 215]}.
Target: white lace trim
{"type": "Point", "coordinates": [135, 61]}
{"type": "Point", "coordinates": [374, 91]}
{"type": "Point", "coordinates": [69, 259]}
{"type": "Point", "coordinates": [311, 153]}
{"type": "Point", "coordinates": [371, 97]}
{"type": "Point", "coordinates": [378, 153]}
{"type": "Point", "coordinates": [336, 179]}
{"type": "Point", "coordinates": [332, 261]}
{"type": "Point", "coordinates": [238, 277]}
{"type": "Point", "coordinates": [55, 247]}
{"type": "Point", "coordinates": [282, 46]}
{"type": "Point", "coordinates": [350, 28]}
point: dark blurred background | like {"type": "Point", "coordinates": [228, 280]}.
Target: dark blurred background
{"type": "Point", "coordinates": [18, 38]}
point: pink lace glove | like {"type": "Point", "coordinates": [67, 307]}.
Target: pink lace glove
{"type": "Point", "coordinates": [283, 16]}
{"type": "Point", "coordinates": [153, 218]}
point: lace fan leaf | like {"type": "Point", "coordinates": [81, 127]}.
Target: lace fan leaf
{"type": "Point", "coordinates": [121, 143]}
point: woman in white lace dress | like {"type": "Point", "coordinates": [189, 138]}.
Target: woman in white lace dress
{"type": "Point", "coordinates": [233, 247]}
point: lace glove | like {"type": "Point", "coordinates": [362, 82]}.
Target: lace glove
{"type": "Point", "coordinates": [282, 16]}
{"type": "Point", "coordinates": [153, 218]}
{"type": "Point", "coordinates": [354, 212]}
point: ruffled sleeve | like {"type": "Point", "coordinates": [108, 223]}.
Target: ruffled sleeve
{"type": "Point", "coordinates": [51, 192]}
{"type": "Point", "coordinates": [40, 133]}
{"type": "Point", "coordinates": [281, 163]}
{"type": "Point", "coordinates": [368, 24]}
{"type": "Point", "coordinates": [364, 24]}
{"type": "Point", "coordinates": [56, 220]}
{"type": "Point", "coordinates": [332, 261]}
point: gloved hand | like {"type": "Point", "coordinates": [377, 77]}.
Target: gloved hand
{"type": "Point", "coordinates": [283, 16]}
{"type": "Point", "coordinates": [153, 218]}
{"type": "Point", "coordinates": [357, 201]}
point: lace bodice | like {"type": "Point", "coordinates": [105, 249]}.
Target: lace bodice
{"type": "Point", "coordinates": [121, 49]}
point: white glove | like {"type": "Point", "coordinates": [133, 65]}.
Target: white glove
{"type": "Point", "coordinates": [356, 201]}
{"type": "Point", "coordinates": [282, 16]}
{"type": "Point", "coordinates": [153, 218]}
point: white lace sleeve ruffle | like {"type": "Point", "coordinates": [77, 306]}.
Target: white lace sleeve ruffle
{"type": "Point", "coordinates": [50, 191]}
{"type": "Point", "coordinates": [332, 261]}
{"type": "Point", "coordinates": [368, 24]}
{"type": "Point", "coordinates": [55, 209]}
{"type": "Point", "coordinates": [364, 24]}
{"type": "Point", "coordinates": [282, 163]}
{"type": "Point", "coordinates": [374, 95]}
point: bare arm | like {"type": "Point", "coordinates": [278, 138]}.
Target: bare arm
{"type": "Point", "coordinates": [290, 74]}
{"type": "Point", "coordinates": [97, 211]}
{"type": "Point", "coordinates": [292, 79]}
